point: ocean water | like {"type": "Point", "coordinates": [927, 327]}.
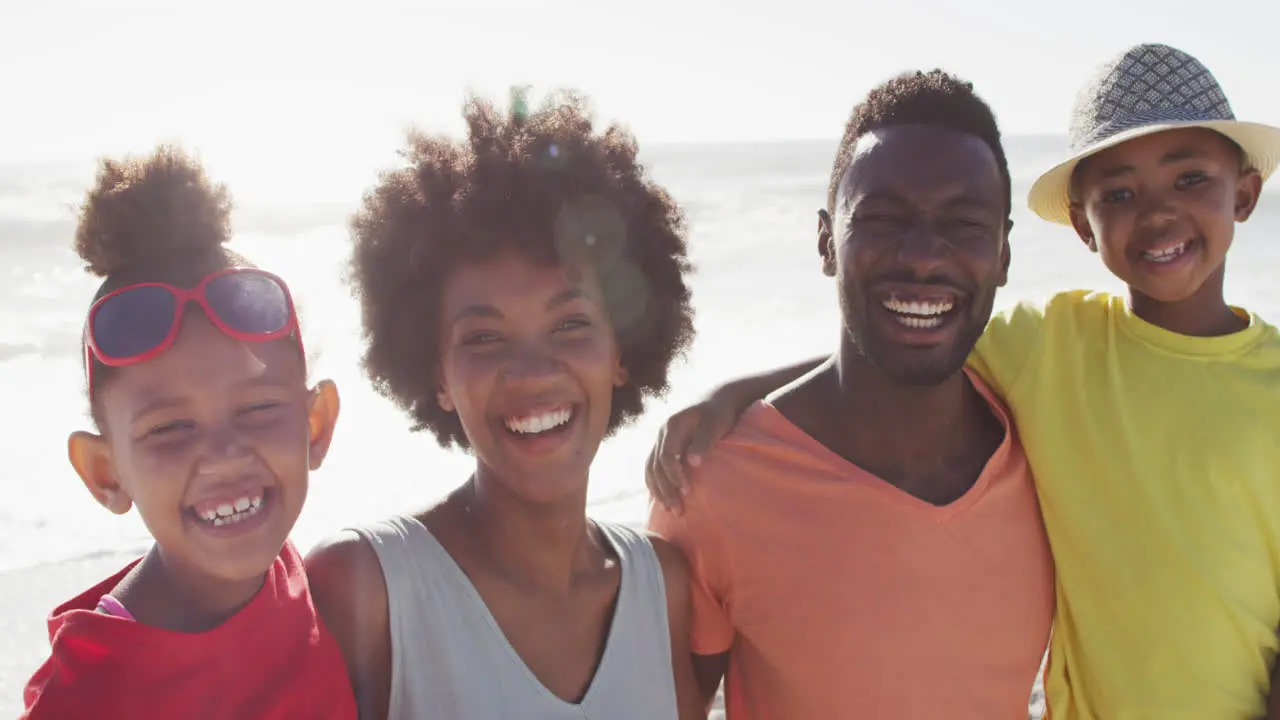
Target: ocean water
{"type": "Point", "coordinates": [761, 300]}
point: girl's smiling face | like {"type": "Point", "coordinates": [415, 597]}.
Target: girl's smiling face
{"type": "Point", "coordinates": [213, 441]}
{"type": "Point", "coordinates": [529, 363]}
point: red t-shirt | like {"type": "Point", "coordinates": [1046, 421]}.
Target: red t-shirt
{"type": "Point", "coordinates": [273, 659]}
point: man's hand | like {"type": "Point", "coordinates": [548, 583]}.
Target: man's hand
{"type": "Point", "coordinates": [689, 434]}
{"type": "Point", "coordinates": [682, 443]}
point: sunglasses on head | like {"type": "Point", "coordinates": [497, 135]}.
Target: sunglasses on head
{"type": "Point", "coordinates": [138, 322]}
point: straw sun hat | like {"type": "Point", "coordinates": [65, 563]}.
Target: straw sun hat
{"type": "Point", "coordinates": [1147, 89]}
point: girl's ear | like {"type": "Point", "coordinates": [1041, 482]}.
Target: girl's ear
{"type": "Point", "coordinates": [90, 455]}
{"type": "Point", "coordinates": [322, 418]}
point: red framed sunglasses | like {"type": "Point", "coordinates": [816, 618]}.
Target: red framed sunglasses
{"type": "Point", "coordinates": [138, 322]}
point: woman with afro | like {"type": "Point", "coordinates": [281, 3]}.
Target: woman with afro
{"type": "Point", "coordinates": [523, 293]}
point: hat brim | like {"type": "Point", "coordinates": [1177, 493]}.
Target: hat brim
{"type": "Point", "coordinates": [1050, 194]}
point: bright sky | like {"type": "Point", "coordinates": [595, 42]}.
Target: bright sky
{"type": "Point", "coordinates": [274, 92]}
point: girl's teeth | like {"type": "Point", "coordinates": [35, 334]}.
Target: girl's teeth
{"type": "Point", "coordinates": [233, 512]}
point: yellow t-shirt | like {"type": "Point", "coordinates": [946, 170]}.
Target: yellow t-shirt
{"type": "Point", "coordinates": [1157, 463]}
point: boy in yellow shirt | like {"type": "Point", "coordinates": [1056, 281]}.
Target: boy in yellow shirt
{"type": "Point", "coordinates": [1152, 422]}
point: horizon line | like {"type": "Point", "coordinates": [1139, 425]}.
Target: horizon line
{"type": "Point", "coordinates": [814, 140]}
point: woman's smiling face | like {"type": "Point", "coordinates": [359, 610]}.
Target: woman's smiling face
{"type": "Point", "coordinates": [529, 362]}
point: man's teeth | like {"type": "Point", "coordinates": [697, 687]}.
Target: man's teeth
{"type": "Point", "coordinates": [918, 322]}
{"type": "Point", "coordinates": [918, 313]}
{"type": "Point", "coordinates": [1166, 254]}
{"type": "Point", "coordinates": [538, 423]}
{"type": "Point", "coordinates": [918, 308]}
{"type": "Point", "coordinates": [228, 513]}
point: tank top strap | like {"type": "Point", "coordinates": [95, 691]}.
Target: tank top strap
{"type": "Point", "coordinates": [414, 564]}
{"type": "Point", "coordinates": [640, 563]}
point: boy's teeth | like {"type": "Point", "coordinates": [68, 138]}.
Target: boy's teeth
{"type": "Point", "coordinates": [538, 423]}
{"type": "Point", "coordinates": [1166, 254]}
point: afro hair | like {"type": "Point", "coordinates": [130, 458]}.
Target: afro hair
{"type": "Point", "coordinates": [150, 209]}
{"type": "Point", "coordinates": [546, 184]}
{"type": "Point", "coordinates": [155, 218]}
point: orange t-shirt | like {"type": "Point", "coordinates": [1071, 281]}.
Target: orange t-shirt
{"type": "Point", "coordinates": [839, 596]}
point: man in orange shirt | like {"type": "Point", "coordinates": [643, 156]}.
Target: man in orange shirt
{"type": "Point", "coordinates": [867, 542]}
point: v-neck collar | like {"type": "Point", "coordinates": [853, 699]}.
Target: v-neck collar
{"type": "Point", "coordinates": [620, 610]}
{"type": "Point", "coordinates": [939, 513]}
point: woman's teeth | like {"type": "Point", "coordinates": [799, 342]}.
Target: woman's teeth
{"type": "Point", "coordinates": [534, 424]}
{"type": "Point", "coordinates": [232, 512]}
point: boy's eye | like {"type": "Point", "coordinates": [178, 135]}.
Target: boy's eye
{"type": "Point", "coordinates": [1192, 178]}
{"type": "Point", "coordinates": [1116, 195]}
{"type": "Point", "coordinates": [574, 323]}
{"type": "Point", "coordinates": [480, 338]}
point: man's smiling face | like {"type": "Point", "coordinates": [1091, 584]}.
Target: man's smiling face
{"type": "Point", "coordinates": [918, 245]}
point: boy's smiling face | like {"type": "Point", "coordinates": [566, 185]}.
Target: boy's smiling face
{"type": "Point", "coordinates": [1161, 209]}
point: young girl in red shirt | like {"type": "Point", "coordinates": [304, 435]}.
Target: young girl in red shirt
{"type": "Point", "coordinates": [197, 386]}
